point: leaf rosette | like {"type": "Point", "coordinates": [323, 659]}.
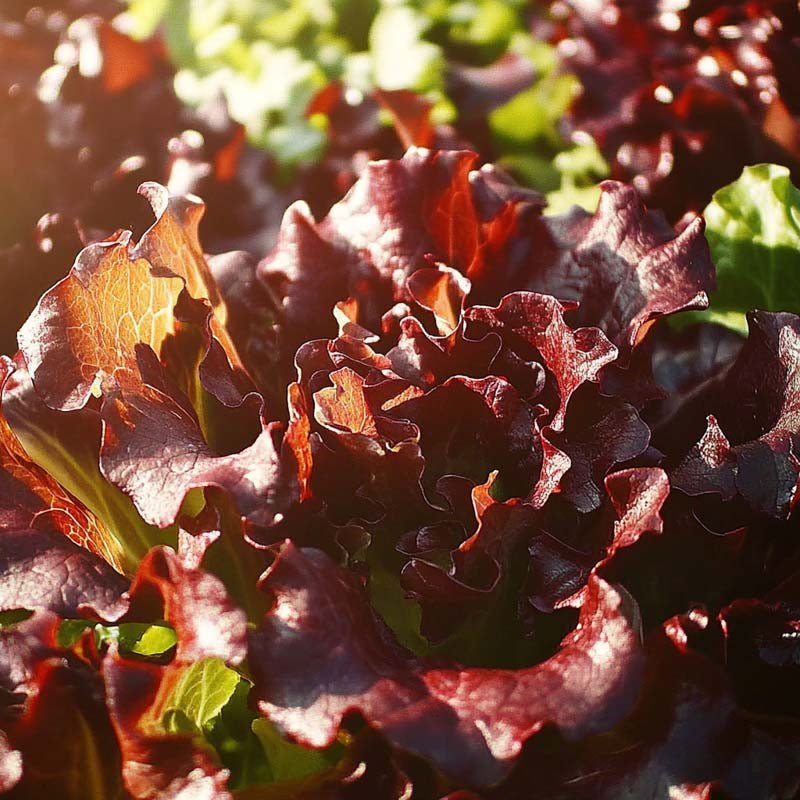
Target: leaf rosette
{"type": "Point", "coordinates": [485, 523]}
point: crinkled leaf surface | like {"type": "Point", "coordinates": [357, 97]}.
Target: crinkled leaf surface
{"type": "Point", "coordinates": [624, 265]}
{"type": "Point", "coordinates": [154, 451]}
{"type": "Point", "coordinates": [42, 569]}
{"type": "Point", "coordinates": [471, 722]}
{"type": "Point", "coordinates": [117, 298]}
{"type": "Point", "coordinates": [756, 458]}
{"type": "Point", "coordinates": [571, 356]}
{"type": "Point", "coordinates": [445, 479]}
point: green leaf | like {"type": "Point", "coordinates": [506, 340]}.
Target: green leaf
{"type": "Point", "coordinates": [486, 23]}
{"type": "Point", "coordinates": [532, 170]}
{"type": "Point", "coordinates": [133, 637]}
{"type": "Point", "coordinates": [199, 696]}
{"type": "Point", "coordinates": [147, 16]}
{"type": "Point", "coordinates": [753, 228]}
{"type": "Point", "coordinates": [401, 59]}
{"type": "Point", "coordinates": [269, 57]}
{"type": "Point", "coordinates": [146, 640]}
{"type": "Point", "coordinates": [569, 195]}
{"type": "Point", "coordinates": [176, 24]}
{"type": "Point", "coordinates": [237, 746]}
{"type": "Point", "coordinates": [70, 630]}
{"type": "Point", "coordinates": [69, 453]}
{"type": "Point", "coordinates": [295, 144]}
{"type": "Point", "coordinates": [291, 762]}
{"type": "Point", "coordinates": [533, 114]}
{"type": "Point", "coordinates": [387, 596]}
{"type": "Point", "coordinates": [285, 26]}
{"type": "Point", "coordinates": [583, 163]}
{"type": "Point", "coordinates": [14, 616]}
{"type": "Point", "coordinates": [580, 168]}
{"type": "Point", "coordinates": [260, 760]}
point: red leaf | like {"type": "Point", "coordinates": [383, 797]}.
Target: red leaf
{"type": "Point", "coordinates": [471, 723]}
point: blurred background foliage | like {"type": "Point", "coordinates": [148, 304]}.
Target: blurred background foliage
{"type": "Point", "coordinates": [271, 58]}
{"type": "Point", "coordinates": [252, 104]}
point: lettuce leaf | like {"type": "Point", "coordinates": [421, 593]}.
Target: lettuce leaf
{"type": "Point", "coordinates": [753, 229]}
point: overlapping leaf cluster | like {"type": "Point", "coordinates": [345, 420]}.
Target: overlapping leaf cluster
{"type": "Point", "coordinates": [86, 115]}
{"type": "Point", "coordinates": [442, 510]}
{"type": "Point", "coordinates": [679, 96]}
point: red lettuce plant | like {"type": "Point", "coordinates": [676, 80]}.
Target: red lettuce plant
{"type": "Point", "coordinates": [680, 96]}
{"type": "Point", "coordinates": [87, 115]}
{"type": "Point", "coordinates": [427, 503]}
